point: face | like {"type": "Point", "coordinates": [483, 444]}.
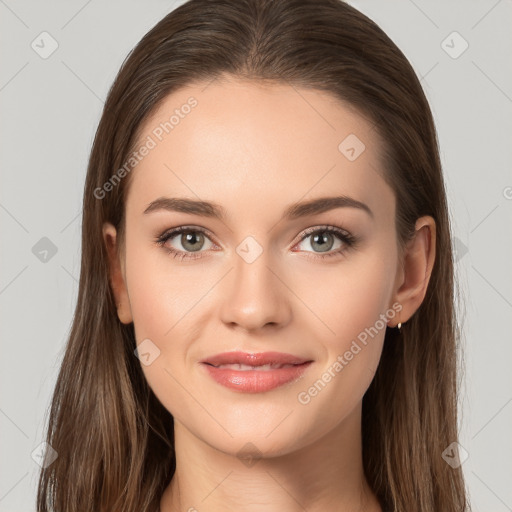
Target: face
{"type": "Point", "coordinates": [316, 283]}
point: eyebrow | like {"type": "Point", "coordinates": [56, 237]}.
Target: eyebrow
{"type": "Point", "coordinates": [293, 211]}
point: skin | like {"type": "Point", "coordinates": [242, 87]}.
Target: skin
{"type": "Point", "coordinates": [255, 149]}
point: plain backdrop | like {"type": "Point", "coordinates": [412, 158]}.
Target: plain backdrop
{"type": "Point", "coordinates": [50, 106]}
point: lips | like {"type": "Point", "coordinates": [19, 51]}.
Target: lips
{"type": "Point", "coordinates": [255, 373]}
{"type": "Point", "coordinates": [247, 367]}
{"type": "Point", "coordinates": [263, 360]}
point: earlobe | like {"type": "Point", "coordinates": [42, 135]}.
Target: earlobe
{"type": "Point", "coordinates": [116, 274]}
{"type": "Point", "coordinates": [418, 262]}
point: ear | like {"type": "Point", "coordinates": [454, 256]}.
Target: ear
{"type": "Point", "coordinates": [117, 274]}
{"type": "Point", "coordinates": [416, 268]}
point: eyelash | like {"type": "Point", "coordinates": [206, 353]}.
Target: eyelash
{"type": "Point", "coordinates": [349, 240]}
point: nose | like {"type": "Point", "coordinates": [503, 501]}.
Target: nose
{"type": "Point", "coordinates": [255, 295]}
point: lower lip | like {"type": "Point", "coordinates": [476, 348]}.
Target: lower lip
{"type": "Point", "coordinates": [256, 381]}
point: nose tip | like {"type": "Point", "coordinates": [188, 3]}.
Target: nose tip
{"type": "Point", "coordinates": [254, 297]}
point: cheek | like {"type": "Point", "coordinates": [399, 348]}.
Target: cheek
{"type": "Point", "coordinates": [160, 293]}
{"type": "Point", "coordinates": [159, 315]}
{"type": "Point", "coordinates": [346, 298]}
{"type": "Point", "coordinates": [354, 309]}
{"type": "Point", "coordinates": [166, 309]}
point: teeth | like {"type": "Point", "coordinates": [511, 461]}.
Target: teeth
{"type": "Point", "coordinates": [246, 367]}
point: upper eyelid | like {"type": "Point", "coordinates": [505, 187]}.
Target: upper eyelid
{"type": "Point", "coordinates": [173, 232]}
{"type": "Point", "coordinates": [326, 227]}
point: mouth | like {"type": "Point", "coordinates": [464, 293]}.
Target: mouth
{"type": "Point", "coordinates": [247, 367]}
{"type": "Point", "coordinates": [255, 373]}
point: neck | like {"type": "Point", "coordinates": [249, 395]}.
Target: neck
{"type": "Point", "coordinates": [325, 475]}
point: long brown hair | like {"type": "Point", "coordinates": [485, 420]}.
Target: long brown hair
{"type": "Point", "coordinates": [113, 438]}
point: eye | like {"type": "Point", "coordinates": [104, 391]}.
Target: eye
{"type": "Point", "coordinates": [323, 238]}
{"type": "Point", "coordinates": [191, 239]}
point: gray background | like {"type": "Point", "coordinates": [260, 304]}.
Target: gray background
{"type": "Point", "coordinates": [50, 108]}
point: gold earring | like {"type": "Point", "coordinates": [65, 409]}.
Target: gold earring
{"type": "Point", "coordinates": [399, 327]}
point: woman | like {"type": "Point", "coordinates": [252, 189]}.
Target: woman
{"type": "Point", "coordinates": [218, 360]}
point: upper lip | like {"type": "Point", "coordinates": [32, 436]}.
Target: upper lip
{"type": "Point", "coordinates": [253, 359]}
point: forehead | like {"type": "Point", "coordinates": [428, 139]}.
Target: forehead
{"type": "Point", "coordinates": [244, 142]}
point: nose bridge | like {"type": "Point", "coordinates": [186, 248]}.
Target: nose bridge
{"type": "Point", "coordinates": [256, 295]}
